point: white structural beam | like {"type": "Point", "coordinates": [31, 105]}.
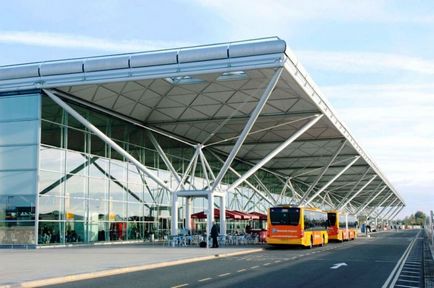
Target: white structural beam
{"type": "Point", "coordinates": [391, 212]}
{"type": "Point", "coordinates": [252, 119]}
{"type": "Point", "coordinates": [358, 192]}
{"type": "Point", "coordinates": [165, 158]}
{"type": "Point", "coordinates": [257, 191]}
{"type": "Point", "coordinates": [331, 181]}
{"type": "Point", "coordinates": [106, 139]}
{"type": "Point", "coordinates": [390, 207]}
{"type": "Point", "coordinates": [276, 151]}
{"type": "Point", "coordinates": [396, 213]}
{"type": "Point", "coordinates": [332, 160]}
{"type": "Point", "coordinates": [370, 200]}
{"type": "Point", "coordinates": [379, 205]}
{"type": "Point", "coordinates": [349, 194]}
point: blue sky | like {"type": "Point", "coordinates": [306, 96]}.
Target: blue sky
{"type": "Point", "coordinates": [374, 60]}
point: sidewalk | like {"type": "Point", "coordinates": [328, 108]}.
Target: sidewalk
{"type": "Point", "coordinates": [19, 266]}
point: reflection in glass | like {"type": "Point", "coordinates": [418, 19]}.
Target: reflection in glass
{"type": "Point", "coordinates": [52, 159]}
{"type": "Point", "coordinates": [118, 231]}
{"type": "Point", "coordinates": [50, 208]}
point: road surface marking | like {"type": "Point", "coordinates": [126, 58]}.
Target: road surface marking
{"type": "Point", "coordinates": [225, 274]}
{"type": "Point", "coordinates": [294, 258]}
{"type": "Point", "coordinates": [338, 265]}
{"type": "Point", "coordinates": [391, 280]}
{"type": "Point", "coordinates": [180, 285]}
{"type": "Point", "coordinates": [266, 264]}
{"type": "Point", "coordinates": [204, 279]}
{"type": "Point", "coordinates": [242, 270]}
{"type": "Point", "coordinates": [254, 267]}
{"type": "Point", "coordinates": [406, 286]}
{"type": "Point", "coordinates": [277, 261]}
{"type": "Point", "coordinates": [410, 276]}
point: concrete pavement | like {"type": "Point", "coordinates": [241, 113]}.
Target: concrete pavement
{"type": "Point", "coordinates": [18, 266]}
{"type": "Point", "coordinates": [365, 262]}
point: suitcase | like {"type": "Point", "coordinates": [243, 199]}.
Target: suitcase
{"type": "Point", "coordinates": [202, 244]}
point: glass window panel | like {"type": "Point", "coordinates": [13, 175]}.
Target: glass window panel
{"type": "Point", "coordinates": [135, 230]}
{"type": "Point", "coordinates": [76, 140]}
{"type": "Point", "coordinates": [99, 167]}
{"type": "Point", "coordinates": [135, 192]}
{"type": "Point", "coordinates": [17, 208]}
{"type": "Point", "coordinates": [25, 132]}
{"type": "Point", "coordinates": [19, 107]}
{"type": "Point", "coordinates": [75, 209]}
{"type": "Point", "coordinates": [17, 233]}
{"type": "Point", "coordinates": [76, 163]}
{"type": "Point", "coordinates": [50, 110]}
{"type": "Point", "coordinates": [98, 210]}
{"type": "Point", "coordinates": [50, 208]}
{"type": "Point", "coordinates": [118, 170]}
{"type": "Point", "coordinates": [52, 159]}
{"type": "Point", "coordinates": [50, 233]}
{"type": "Point", "coordinates": [76, 187]}
{"type": "Point", "coordinates": [98, 147]}
{"type": "Point", "coordinates": [118, 231]}
{"type": "Point", "coordinates": [74, 232]}
{"type": "Point", "coordinates": [18, 183]}
{"type": "Point", "coordinates": [98, 231]}
{"type": "Point", "coordinates": [72, 122]}
{"type": "Point", "coordinates": [135, 211]}
{"type": "Point", "coordinates": [117, 211]}
{"type": "Point", "coordinates": [18, 157]}
{"type": "Point", "coordinates": [133, 174]}
{"type": "Point", "coordinates": [51, 183]}
{"type": "Point", "coordinates": [51, 134]}
{"type": "Point", "coordinates": [117, 192]}
{"type": "Point", "coordinates": [98, 189]}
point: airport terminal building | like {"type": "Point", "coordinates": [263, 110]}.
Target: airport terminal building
{"type": "Point", "coordinates": [118, 148]}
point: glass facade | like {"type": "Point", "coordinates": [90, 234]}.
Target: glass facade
{"type": "Point", "coordinates": [19, 145]}
{"type": "Point", "coordinates": [87, 192]}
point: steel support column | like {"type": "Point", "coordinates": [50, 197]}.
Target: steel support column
{"type": "Point", "coordinates": [331, 181]}
{"type": "Point", "coordinates": [223, 215]}
{"type": "Point", "coordinates": [164, 158]}
{"type": "Point", "coordinates": [254, 115]}
{"type": "Point", "coordinates": [276, 151]}
{"type": "Point", "coordinates": [188, 204]}
{"type": "Point", "coordinates": [354, 187]}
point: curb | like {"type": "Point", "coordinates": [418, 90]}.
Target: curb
{"type": "Point", "coordinates": [118, 271]}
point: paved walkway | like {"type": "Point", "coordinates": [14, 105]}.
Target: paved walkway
{"type": "Point", "coordinates": [19, 266]}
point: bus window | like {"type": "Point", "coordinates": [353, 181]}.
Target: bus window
{"type": "Point", "coordinates": [342, 221]}
{"type": "Point", "coordinates": [285, 216]}
{"type": "Point", "coordinates": [331, 219]}
{"type": "Point", "coordinates": [314, 220]}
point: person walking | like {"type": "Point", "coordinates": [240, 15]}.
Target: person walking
{"type": "Point", "coordinates": [214, 234]}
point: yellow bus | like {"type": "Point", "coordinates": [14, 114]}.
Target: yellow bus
{"type": "Point", "coordinates": [288, 225]}
{"type": "Point", "coordinates": [341, 226]}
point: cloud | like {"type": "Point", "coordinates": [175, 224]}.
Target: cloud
{"type": "Point", "coordinates": [69, 41]}
{"type": "Point", "coordinates": [365, 62]}
{"type": "Point", "coordinates": [284, 11]}
{"type": "Point", "coordinates": [393, 122]}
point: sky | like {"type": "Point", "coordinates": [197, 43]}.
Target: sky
{"type": "Point", "coordinates": [374, 60]}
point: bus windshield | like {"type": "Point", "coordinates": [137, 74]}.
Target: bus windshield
{"type": "Point", "coordinates": [285, 216]}
{"type": "Point", "coordinates": [332, 219]}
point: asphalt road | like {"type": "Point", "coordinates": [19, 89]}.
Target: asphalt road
{"type": "Point", "coordinates": [366, 262]}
